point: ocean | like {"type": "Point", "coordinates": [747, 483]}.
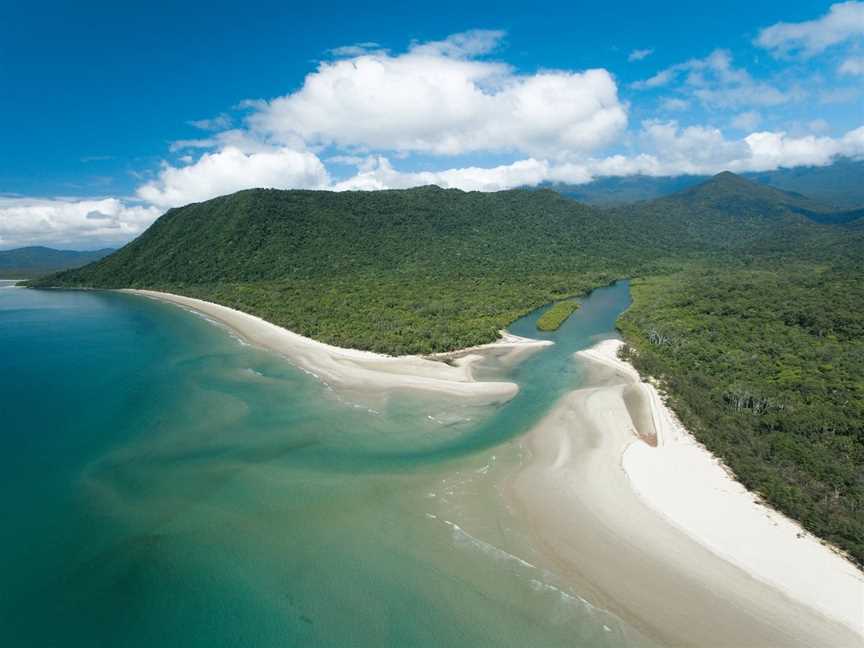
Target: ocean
{"type": "Point", "coordinates": [165, 484]}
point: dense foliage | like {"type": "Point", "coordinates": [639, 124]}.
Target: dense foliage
{"type": "Point", "coordinates": [419, 270]}
{"type": "Point", "coordinates": [556, 315]}
{"type": "Point", "coordinates": [766, 367]}
{"type": "Point", "coordinates": [746, 309]}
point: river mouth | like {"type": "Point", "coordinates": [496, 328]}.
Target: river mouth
{"type": "Point", "coordinates": [185, 489]}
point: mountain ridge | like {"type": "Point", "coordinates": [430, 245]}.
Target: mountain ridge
{"type": "Point", "coordinates": [36, 259]}
{"type": "Point", "coordinates": [837, 187]}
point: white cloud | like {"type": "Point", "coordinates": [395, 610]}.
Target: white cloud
{"type": "Point", "coordinates": [71, 223]}
{"type": "Point", "coordinates": [437, 99]}
{"type": "Point", "coordinates": [747, 121]}
{"type": "Point", "coordinates": [717, 83]}
{"type": "Point", "coordinates": [201, 143]}
{"type": "Point", "coordinates": [662, 78]}
{"type": "Point", "coordinates": [697, 150]}
{"type": "Point", "coordinates": [704, 150]}
{"type": "Point", "coordinates": [674, 104]}
{"type": "Point", "coordinates": [771, 150]}
{"type": "Point", "coordinates": [852, 67]}
{"type": "Point", "coordinates": [844, 21]}
{"type": "Point", "coordinates": [357, 49]}
{"type": "Point", "coordinates": [230, 170]}
{"type": "Point", "coordinates": [219, 122]}
{"type": "Point", "coordinates": [639, 54]}
{"type": "Point", "coordinates": [378, 173]}
{"type": "Point", "coordinates": [469, 44]}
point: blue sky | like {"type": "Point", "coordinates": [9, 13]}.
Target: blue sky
{"type": "Point", "coordinates": [113, 112]}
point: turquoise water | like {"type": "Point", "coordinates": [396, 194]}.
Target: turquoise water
{"type": "Point", "coordinates": [164, 484]}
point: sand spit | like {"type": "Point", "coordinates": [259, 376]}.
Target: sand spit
{"type": "Point", "coordinates": [449, 374]}
{"type": "Point", "coordinates": [663, 537]}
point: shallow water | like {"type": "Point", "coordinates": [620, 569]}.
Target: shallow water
{"type": "Point", "coordinates": [164, 484]}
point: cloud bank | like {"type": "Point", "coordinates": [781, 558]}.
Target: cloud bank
{"type": "Point", "coordinates": [71, 223]}
{"type": "Point", "coordinates": [436, 98]}
{"type": "Point", "coordinates": [230, 170]}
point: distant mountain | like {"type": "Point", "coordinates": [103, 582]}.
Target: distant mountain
{"type": "Point", "coordinates": [737, 195]}
{"type": "Point", "coordinates": [839, 187]}
{"type": "Point", "coordinates": [613, 191]}
{"type": "Point", "coordinates": [30, 261]}
{"type": "Point", "coordinates": [730, 214]}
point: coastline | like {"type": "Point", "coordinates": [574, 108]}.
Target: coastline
{"type": "Point", "coordinates": [663, 536]}
{"type": "Point", "coordinates": [444, 374]}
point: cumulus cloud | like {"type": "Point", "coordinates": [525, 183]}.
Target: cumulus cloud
{"type": "Point", "coordinates": [230, 170]}
{"type": "Point", "coordinates": [704, 150]}
{"type": "Point", "coordinates": [378, 173]}
{"type": "Point", "coordinates": [717, 83]}
{"type": "Point", "coordinates": [438, 99]}
{"type": "Point", "coordinates": [675, 150]}
{"type": "Point", "coordinates": [71, 223]}
{"type": "Point", "coordinates": [769, 150]}
{"type": "Point", "coordinates": [639, 54]}
{"type": "Point", "coordinates": [844, 21]}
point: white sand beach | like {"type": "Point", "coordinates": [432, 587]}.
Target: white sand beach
{"type": "Point", "coordinates": [363, 370]}
{"type": "Point", "coordinates": [664, 537]}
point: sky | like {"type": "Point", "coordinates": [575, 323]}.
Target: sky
{"type": "Point", "coordinates": [112, 113]}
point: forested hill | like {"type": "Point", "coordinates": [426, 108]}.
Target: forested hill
{"type": "Point", "coordinates": [29, 261]}
{"type": "Point", "coordinates": [272, 235]}
{"type": "Point", "coordinates": [429, 269]}
{"type": "Point", "coordinates": [728, 213]}
{"type": "Point", "coordinates": [747, 311]}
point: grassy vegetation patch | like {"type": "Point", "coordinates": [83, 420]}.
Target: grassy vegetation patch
{"type": "Point", "coordinates": [556, 315]}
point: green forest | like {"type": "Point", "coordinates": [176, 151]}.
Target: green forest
{"type": "Point", "coordinates": [746, 307]}
{"type": "Point", "coordinates": [766, 368]}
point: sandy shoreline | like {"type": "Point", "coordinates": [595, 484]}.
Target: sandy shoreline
{"type": "Point", "coordinates": [450, 374]}
{"type": "Point", "coordinates": [663, 536]}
